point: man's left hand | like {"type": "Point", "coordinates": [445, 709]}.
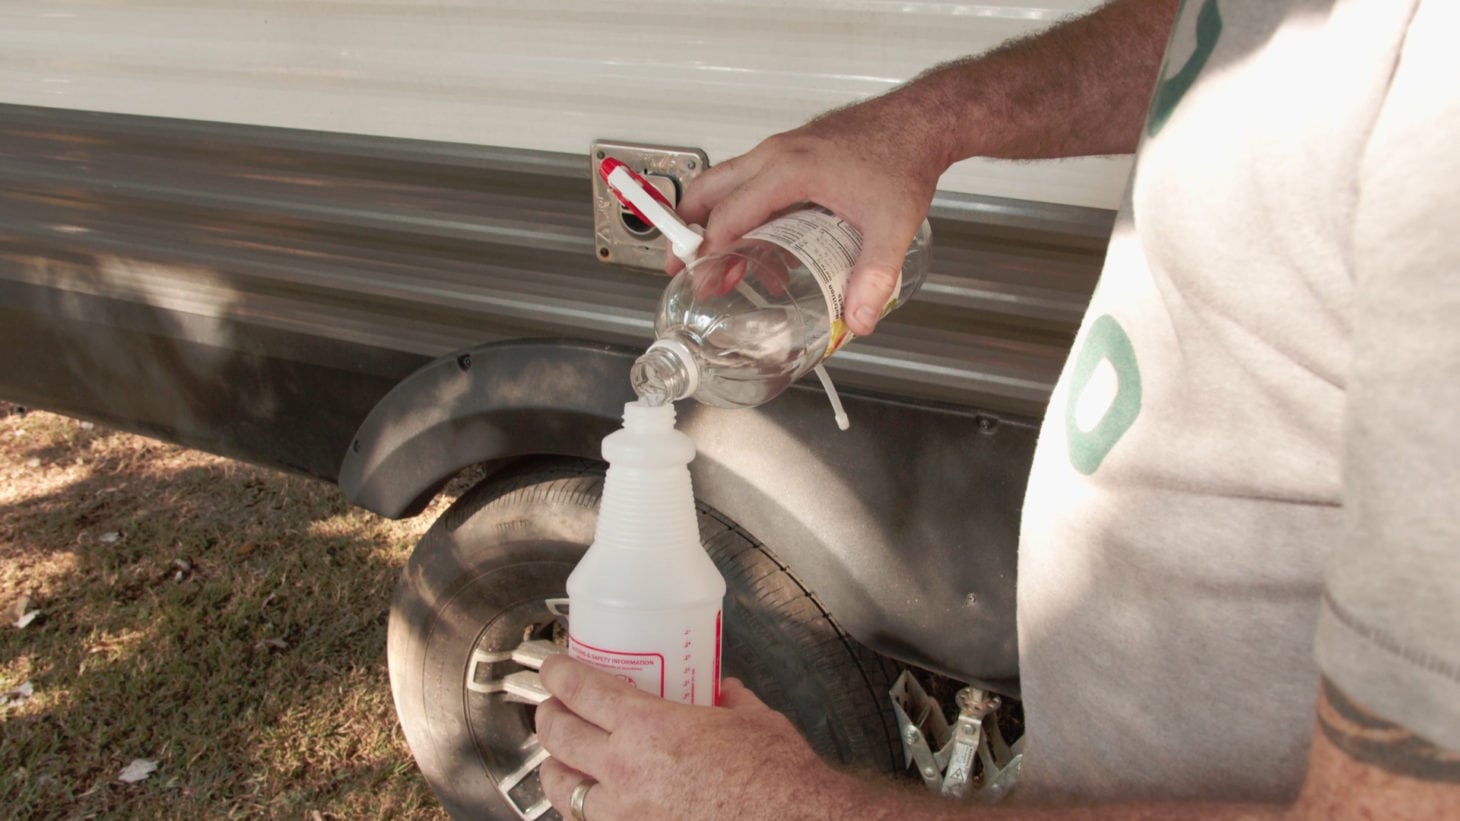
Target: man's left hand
{"type": "Point", "coordinates": [656, 759]}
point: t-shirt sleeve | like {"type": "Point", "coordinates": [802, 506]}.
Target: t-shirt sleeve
{"type": "Point", "coordinates": [1389, 631]}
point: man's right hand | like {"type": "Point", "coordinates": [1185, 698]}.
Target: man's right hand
{"type": "Point", "coordinates": [875, 164]}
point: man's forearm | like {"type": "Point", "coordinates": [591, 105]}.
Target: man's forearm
{"type": "Point", "coordinates": [1077, 89]}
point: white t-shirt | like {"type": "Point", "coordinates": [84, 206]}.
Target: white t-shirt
{"type": "Point", "coordinates": [1254, 449]}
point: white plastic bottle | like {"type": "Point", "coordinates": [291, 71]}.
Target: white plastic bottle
{"type": "Point", "coordinates": [735, 329]}
{"type": "Point", "coordinates": [645, 600]}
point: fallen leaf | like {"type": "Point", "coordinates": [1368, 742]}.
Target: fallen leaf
{"type": "Point", "coordinates": [138, 770]}
{"type": "Point", "coordinates": [182, 570]}
{"type": "Point", "coordinates": [18, 694]}
{"type": "Point", "coordinates": [23, 611]}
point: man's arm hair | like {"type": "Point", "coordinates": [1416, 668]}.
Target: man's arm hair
{"type": "Point", "coordinates": [1080, 88]}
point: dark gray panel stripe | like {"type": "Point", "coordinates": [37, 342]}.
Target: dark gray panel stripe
{"type": "Point", "coordinates": [426, 247]}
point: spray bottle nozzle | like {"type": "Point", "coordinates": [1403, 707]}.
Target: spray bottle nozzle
{"type": "Point", "coordinates": [641, 197]}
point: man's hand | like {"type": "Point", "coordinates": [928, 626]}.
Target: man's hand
{"type": "Point", "coordinates": [656, 759]}
{"type": "Point", "coordinates": [875, 164]}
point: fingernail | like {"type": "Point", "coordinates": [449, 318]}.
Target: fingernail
{"type": "Point", "coordinates": [865, 316]}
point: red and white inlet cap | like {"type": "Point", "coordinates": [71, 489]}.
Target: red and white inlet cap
{"type": "Point", "coordinates": [648, 204]}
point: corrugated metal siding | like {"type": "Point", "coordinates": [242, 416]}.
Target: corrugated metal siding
{"type": "Point", "coordinates": [420, 249]}
{"type": "Point", "coordinates": [550, 75]}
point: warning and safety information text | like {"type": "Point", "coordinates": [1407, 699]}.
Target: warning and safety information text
{"type": "Point", "coordinates": [644, 670]}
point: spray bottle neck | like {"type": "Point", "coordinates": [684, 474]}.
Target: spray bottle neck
{"type": "Point", "coordinates": [666, 372]}
{"type": "Point", "coordinates": [648, 500]}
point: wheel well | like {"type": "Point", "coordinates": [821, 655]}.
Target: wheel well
{"type": "Point", "coordinates": [484, 406]}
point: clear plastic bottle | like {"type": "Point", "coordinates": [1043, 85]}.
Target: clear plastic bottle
{"type": "Point", "coordinates": [735, 329]}
{"type": "Point", "coordinates": [645, 600]}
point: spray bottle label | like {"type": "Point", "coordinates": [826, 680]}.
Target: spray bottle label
{"type": "Point", "coordinates": [828, 246]}
{"type": "Point", "coordinates": [679, 662]}
{"type": "Point", "coordinates": [643, 670]}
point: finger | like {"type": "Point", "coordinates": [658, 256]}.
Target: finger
{"type": "Point", "coordinates": [874, 277]}
{"type": "Point", "coordinates": [718, 277]}
{"type": "Point", "coordinates": [704, 192]}
{"type": "Point", "coordinates": [735, 696]}
{"type": "Point", "coordinates": [558, 781]}
{"type": "Point", "coordinates": [570, 739]}
{"type": "Point", "coordinates": [593, 695]}
{"type": "Point", "coordinates": [751, 205]}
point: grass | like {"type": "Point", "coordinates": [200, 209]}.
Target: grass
{"type": "Point", "coordinates": [221, 619]}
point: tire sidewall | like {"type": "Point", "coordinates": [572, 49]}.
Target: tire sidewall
{"type": "Point", "coordinates": [484, 553]}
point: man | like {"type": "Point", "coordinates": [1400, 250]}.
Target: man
{"type": "Point", "coordinates": [1243, 506]}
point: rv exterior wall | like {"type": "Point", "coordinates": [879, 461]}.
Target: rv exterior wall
{"type": "Point", "coordinates": [552, 75]}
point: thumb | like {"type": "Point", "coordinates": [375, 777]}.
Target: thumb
{"type": "Point", "coordinates": [873, 280]}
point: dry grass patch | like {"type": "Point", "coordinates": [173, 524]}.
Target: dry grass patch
{"type": "Point", "coordinates": [223, 620]}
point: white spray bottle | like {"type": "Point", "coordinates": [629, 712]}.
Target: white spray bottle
{"type": "Point", "coordinates": [645, 600]}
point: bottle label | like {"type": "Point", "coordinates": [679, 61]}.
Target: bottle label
{"type": "Point", "coordinates": [643, 670]}
{"type": "Point", "coordinates": [676, 662]}
{"type": "Point", "coordinates": [828, 246]}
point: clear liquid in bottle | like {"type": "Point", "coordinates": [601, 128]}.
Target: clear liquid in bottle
{"type": "Point", "coordinates": [736, 329]}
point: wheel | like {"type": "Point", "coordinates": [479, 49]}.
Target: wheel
{"type": "Point", "coordinates": [477, 586]}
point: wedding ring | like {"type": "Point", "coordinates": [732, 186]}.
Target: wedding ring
{"type": "Point", "coordinates": [580, 794]}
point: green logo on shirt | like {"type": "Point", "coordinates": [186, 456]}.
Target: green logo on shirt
{"type": "Point", "coordinates": [1103, 402]}
{"type": "Point", "coordinates": [1170, 90]}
